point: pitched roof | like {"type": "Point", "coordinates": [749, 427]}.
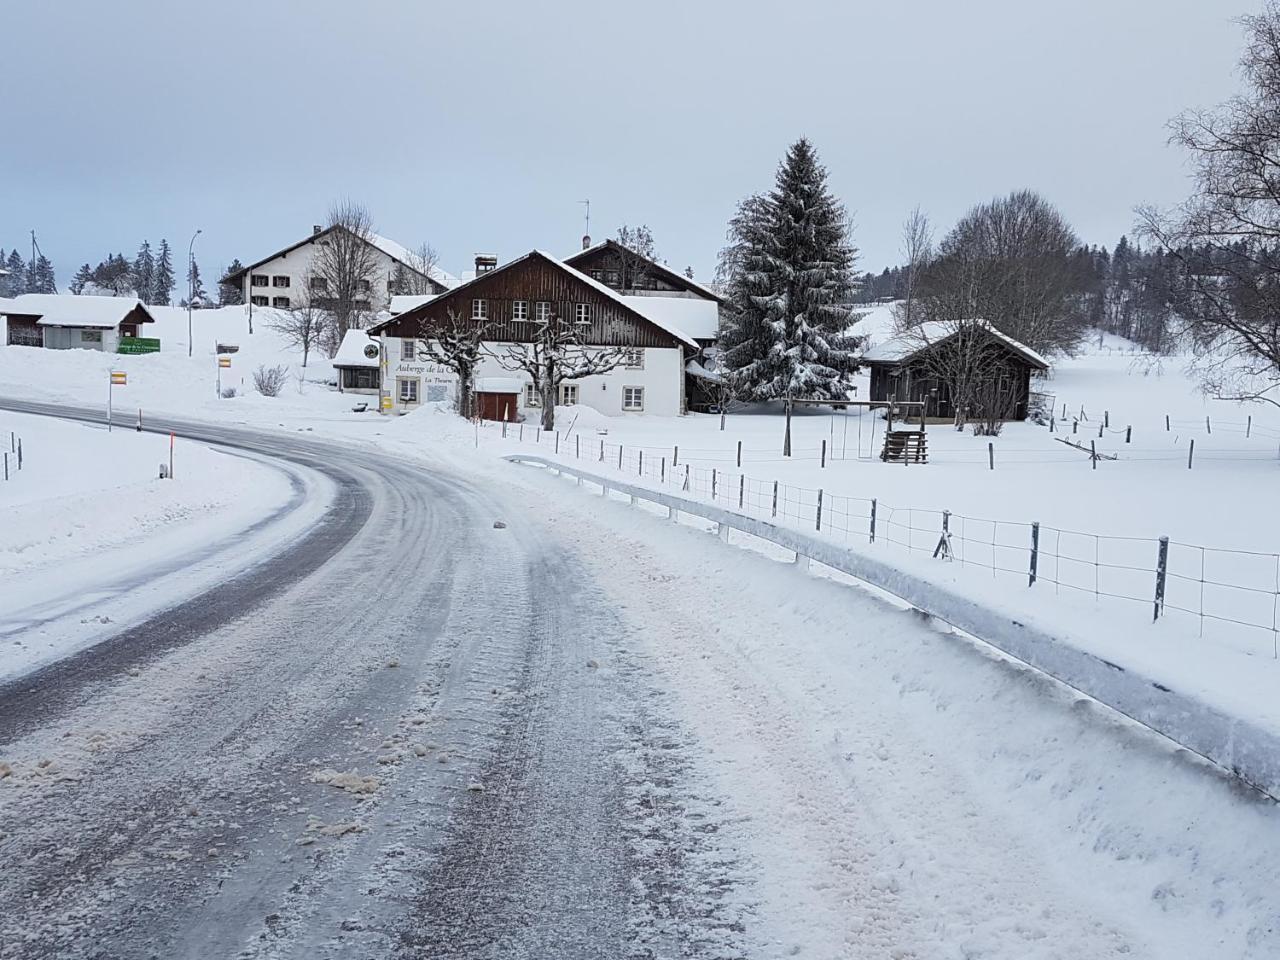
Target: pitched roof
{"type": "Point", "coordinates": [696, 317]}
{"type": "Point", "coordinates": [661, 322]}
{"type": "Point", "coordinates": [403, 302]}
{"type": "Point", "coordinates": [395, 251]}
{"type": "Point", "coordinates": [69, 310]}
{"type": "Point", "coordinates": [907, 344]}
{"type": "Point", "coordinates": [352, 351]}
{"type": "Point", "coordinates": [671, 275]}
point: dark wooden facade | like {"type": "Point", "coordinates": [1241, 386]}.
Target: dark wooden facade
{"type": "Point", "coordinates": [535, 278]}
{"type": "Point", "coordinates": [601, 263]}
{"type": "Point", "coordinates": [910, 379]}
{"type": "Point", "coordinates": [24, 331]}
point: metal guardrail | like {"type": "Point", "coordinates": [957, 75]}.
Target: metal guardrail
{"type": "Point", "coordinates": [1242, 747]}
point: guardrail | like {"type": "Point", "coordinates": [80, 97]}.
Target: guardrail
{"type": "Point", "coordinates": [1245, 749]}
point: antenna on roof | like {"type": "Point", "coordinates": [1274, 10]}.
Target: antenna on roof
{"type": "Point", "coordinates": [586, 236]}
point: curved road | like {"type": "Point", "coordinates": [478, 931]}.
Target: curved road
{"type": "Point", "coordinates": [388, 740]}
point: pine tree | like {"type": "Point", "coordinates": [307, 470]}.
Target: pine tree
{"type": "Point", "coordinates": [195, 286]}
{"type": "Point", "coordinates": [162, 283]}
{"type": "Point", "coordinates": [143, 273]}
{"type": "Point", "coordinates": [39, 277]}
{"type": "Point", "coordinates": [17, 274]}
{"type": "Point", "coordinates": [230, 294]}
{"type": "Point", "coordinates": [83, 276]}
{"type": "Point", "coordinates": [790, 280]}
{"type": "Point", "coordinates": [4, 276]}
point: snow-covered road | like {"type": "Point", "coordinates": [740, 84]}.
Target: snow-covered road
{"type": "Point", "coordinates": [588, 733]}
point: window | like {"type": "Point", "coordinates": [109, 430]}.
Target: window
{"type": "Point", "coordinates": [520, 310]}
{"type": "Point", "coordinates": [597, 274]}
{"type": "Point", "coordinates": [479, 309]}
{"type": "Point", "coordinates": [531, 396]}
{"type": "Point", "coordinates": [280, 281]}
{"type": "Point", "coordinates": [258, 301]}
{"type": "Point", "coordinates": [360, 378]}
{"type": "Point", "coordinates": [282, 302]}
{"type": "Point", "coordinates": [542, 311]}
{"type": "Point", "coordinates": [568, 394]}
{"type": "Point", "coordinates": [634, 358]}
{"type": "Point", "coordinates": [90, 336]}
{"type": "Point", "coordinates": [363, 286]}
{"type": "Point", "coordinates": [319, 285]}
{"type": "Point", "coordinates": [407, 389]}
{"type": "Point", "coordinates": [633, 398]}
{"type": "Point", "coordinates": [360, 304]}
{"type": "Point", "coordinates": [407, 349]}
{"type": "Point", "coordinates": [258, 280]}
{"type": "Point", "coordinates": [582, 313]}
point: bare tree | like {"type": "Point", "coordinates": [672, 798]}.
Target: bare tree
{"type": "Point", "coordinates": [305, 324]}
{"type": "Point", "coordinates": [556, 354]}
{"type": "Point", "coordinates": [968, 362]}
{"type": "Point", "coordinates": [418, 277]}
{"type": "Point", "coordinates": [1225, 239]}
{"type": "Point", "coordinates": [631, 261]}
{"type": "Point", "coordinates": [458, 345]}
{"type": "Point", "coordinates": [269, 381]}
{"type": "Point", "coordinates": [345, 268]}
{"type": "Point", "coordinates": [725, 393]}
{"type": "Point", "coordinates": [917, 251]}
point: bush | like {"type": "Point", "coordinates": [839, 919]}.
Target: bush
{"type": "Point", "coordinates": [269, 381]}
{"type": "Point", "coordinates": [228, 393]}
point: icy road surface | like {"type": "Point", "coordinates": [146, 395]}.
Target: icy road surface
{"type": "Point", "coordinates": [587, 734]}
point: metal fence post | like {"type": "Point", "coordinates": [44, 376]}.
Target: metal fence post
{"type": "Point", "coordinates": [824, 453]}
{"type": "Point", "coordinates": [1162, 566]}
{"type": "Point", "coordinates": [819, 526]}
{"type": "Point", "coordinates": [739, 454]}
{"type": "Point", "coordinates": [6, 464]}
{"type": "Point", "coordinates": [775, 498]}
{"type": "Point", "coordinates": [521, 437]}
{"type": "Point", "coordinates": [557, 441]}
{"type": "Point", "coordinates": [873, 519]}
{"type": "Point", "coordinates": [675, 456]}
{"type": "Point", "coordinates": [619, 456]}
{"type": "Point", "coordinates": [686, 477]}
{"type": "Point", "coordinates": [713, 483]}
{"type": "Point", "coordinates": [577, 447]}
{"type": "Point", "coordinates": [19, 453]}
{"type": "Point", "coordinates": [640, 469]}
{"type": "Point", "coordinates": [742, 489]}
{"type": "Point", "coordinates": [991, 456]}
{"type": "Point", "coordinates": [1191, 452]}
{"type": "Point", "coordinates": [662, 470]}
{"type": "Point", "coordinates": [1035, 553]}
{"type": "Point", "coordinates": [602, 451]}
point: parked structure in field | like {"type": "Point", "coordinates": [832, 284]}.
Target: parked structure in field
{"type": "Point", "coordinates": [285, 277]}
{"type": "Point", "coordinates": [967, 367]}
{"type": "Point", "coordinates": [64, 322]}
{"type": "Point", "coordinates": [358, 363]}
{"type": "Point", "coordinates": [511, 301]}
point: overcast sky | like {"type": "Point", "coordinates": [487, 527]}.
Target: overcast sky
{"type": "Point", "coordinates": [478, 128]}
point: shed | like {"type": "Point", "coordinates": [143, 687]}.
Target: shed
{"type": "Point", "coordinates": [912, 366]}
{"type": "Point", "coordinates": [66, 321]}
{"type": "Point", "coordinates": [358, 363]}
{"type": "Point", "coordinates": [498, 398]}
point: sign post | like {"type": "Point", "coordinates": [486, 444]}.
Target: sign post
{"type": "Point", "coordinates": [224, 363]}
{"type": "Point", "coordinates": [118, 378]}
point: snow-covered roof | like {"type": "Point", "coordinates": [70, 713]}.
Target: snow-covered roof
{"type": "Point", "coordinates": [69, 310]}
{"type": "Point", "coordinates": [355, 350]}
{"type": "Point", "coordinates": [698, 318]}
{"type": "Point", "coordinates": [701, 288]}
{"type": "Point", "coordinates": [406, 256]}
{"type": "Point", "coordinates": [407, 301]}
{"type": "Point", "coordinates": [499, 385]}
{"type": "Point", "coordinates": [909, 343]}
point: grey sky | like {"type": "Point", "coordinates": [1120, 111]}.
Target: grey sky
{"type": "Point", "coordinates": [479, 126]}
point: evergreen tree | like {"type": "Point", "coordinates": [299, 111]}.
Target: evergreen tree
{"type": "Point", "coordinates": [40, 277]}
{"type": "Point", "coordinates": [195, 286]}
{"type": "Point", "coordinates": [83, 276]}
{"type": "Point", "coordinates": [790, 280]}
{"type": "Point", "coordinates": [4, 276]}
{"type": "Point", "coordinates": [143, 274]}
{"type": "Point", "coordinates": [17, 274]}
{"type": "Point", "coordinates": [230, 294]}
{"type": "Point", "coordinates": [162, 283]}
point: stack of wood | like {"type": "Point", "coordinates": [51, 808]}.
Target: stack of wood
{"type": "Point", "coordinates": [905, 446]}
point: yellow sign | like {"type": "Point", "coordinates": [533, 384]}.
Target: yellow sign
{"type": "Point", "coordinates": [224, 361]}
{"type": "Point", "coordinates": [119, 378]}
{"type": "Point", "coordinates": [386, 403]}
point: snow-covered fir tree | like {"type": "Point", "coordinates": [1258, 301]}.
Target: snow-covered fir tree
{"type": "Point", "coordinates": [195, 286]}
{"type": "Point", "coordinates": [162, 284]}
{"type": "Point", "coordinates": [83, 276]}
{"type": "Point", "coordinates": [4, 276]}
{"type": "Point", "coordinates": [789, 275]}
{"type": "Point", "coordinates": [230, 294]}
{"type": "Point", "coordinates": [17, 278]}
{"type": "Point", "coordinates": [143, 273]}
{"type": "Point", "coordinates": [40, 278]}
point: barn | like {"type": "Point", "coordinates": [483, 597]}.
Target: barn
{"type": "Point", "coordinates": [65, 322]}
{"type": "Point", "coordinates": [929, 364]}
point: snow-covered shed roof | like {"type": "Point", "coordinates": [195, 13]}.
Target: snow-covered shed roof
{"type": "Point", "coordinates": [357, 349]}
{"type": "Point", "coordinates": [698, 318]}
{"type": "Point", "coordinates": [499, 385]}
{"type": "Point", "coordinates": [69, 310]}
{"type": "Point", "coordinates": [407, 301]}
{"type": "Point", "coordinates": [907, 344]}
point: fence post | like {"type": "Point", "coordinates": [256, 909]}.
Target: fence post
{"type": "Point", "coordinates": [1191, 452]}
{"type": "Point", "coordinates": [557, 441]}
{"type": "Point", "coordinates": [739, 454]}
{"type": "Point", "coordinates": [675, 456]}
{"type": "Point", "coordinates": [1128, 433]}
{"type": "Point", "coordinates": [19, 453]}
{"type": "Point", "coordinates": [577, 447]}
{"type": "Point", "coordinates": [662, 470]}
{"type": "Point", "coordinates": [1075, 426]}
{"type": "Point", "coordinates": [504, 429]}
{"type": "Point", "coordinates": [824, 453]}
{"type": "Point", "coordinates": [1099, 431]}
{"type": "Point", "coordinates": [1035, 552]}
{"type": "Point", "coordinates": [686, 477]}
{"type": "Point", "coordinates": [1208, 427]}
{"type": "Point", "coordinates": [1051, 424]}
{"type": "Point", "coordinates": [521, 433]}
{"type": "Point", "coordinates": [1248, 426]}
{"type": "Point", "coordinates": [602, 451]}
{"type": "Point", "coordinates": [6, 464]}
{"type": "Point", "coordinates": [819, 527]}
{"type": "Point", "coordinates": [537, 436]}
{"type": "Point", "coordinates": [742, 489]}
{"type": "Point", "coordinates": [640, 470]}
{"type": "Point", "coordinates": [991, 455]}
{"type": "Point", "coordinates": [619, 456]}
{"type": "Point", "coordinates": [713, 484]}
{"type": "Point", "coordinates": [1162, 565]}
{"type": "Point", "coordinates": [1166, 423]}
{"type": "Point", "coordinates": [775, 498]}
{"type": "Point", "coordinates": [873, 519]}
{"type": "Point", "coordinates": [1093, 453]}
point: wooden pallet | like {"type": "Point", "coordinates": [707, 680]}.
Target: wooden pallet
{"type": "Point", "coordinates": [905, 446]}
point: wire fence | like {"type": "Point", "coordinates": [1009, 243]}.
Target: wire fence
{"type": "Point", "coordinates": [1218, 588]}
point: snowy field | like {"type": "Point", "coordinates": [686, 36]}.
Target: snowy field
{"type": "Point", "coordinates": [90, 526]}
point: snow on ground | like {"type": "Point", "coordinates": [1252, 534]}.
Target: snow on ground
{"type": "Point", "coordinates": [90, 526]}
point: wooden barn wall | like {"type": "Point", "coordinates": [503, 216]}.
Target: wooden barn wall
{"type": "Point", "coordinates": [604, 259]}
{"type": "Point", "coordinates": [612, 324]}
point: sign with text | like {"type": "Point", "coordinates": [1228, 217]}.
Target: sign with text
{"type": "Point", "coordinates": [224, 362]}
{"type": "Point", "coordinates": [119, 378]}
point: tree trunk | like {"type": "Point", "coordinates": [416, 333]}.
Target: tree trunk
{"type": "Point", "coordinates": [464, 390]}
{"type": "Point", "coordinates": [548, 405]}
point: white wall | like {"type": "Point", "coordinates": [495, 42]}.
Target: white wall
{"type": "Point", "coordinates": [662, 379]}
{"type": "Point", "coordinates": [68, 338]}
{"type": "Point", "coordinates": [296, 264]}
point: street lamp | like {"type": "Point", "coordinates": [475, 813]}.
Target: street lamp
{"type": "Point", "coordinates": [191, 258]}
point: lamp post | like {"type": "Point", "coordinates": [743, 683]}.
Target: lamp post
{"type": "Point", "coordinates": [190, 289]}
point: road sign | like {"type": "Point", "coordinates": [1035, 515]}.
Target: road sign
{"type": "Point", "coordinates": [386, 403]}
{"type": "Point", "coordinates": [119, 378]}
{"type": "Point", "coordinates": [224, 362]}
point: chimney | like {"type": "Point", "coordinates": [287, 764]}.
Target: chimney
{"type": "Point", "coordinates": [315, 229]}
{"type": "Point", "coordinates": [586, 241]}
{"type": "Point", "coordinates": [485, 262]}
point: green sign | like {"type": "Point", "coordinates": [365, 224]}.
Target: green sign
{"type": "Point", "coordinates": [138, 345]}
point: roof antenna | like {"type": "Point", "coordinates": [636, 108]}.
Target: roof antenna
{"type": "Point", "coordinates": [586, 237]}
